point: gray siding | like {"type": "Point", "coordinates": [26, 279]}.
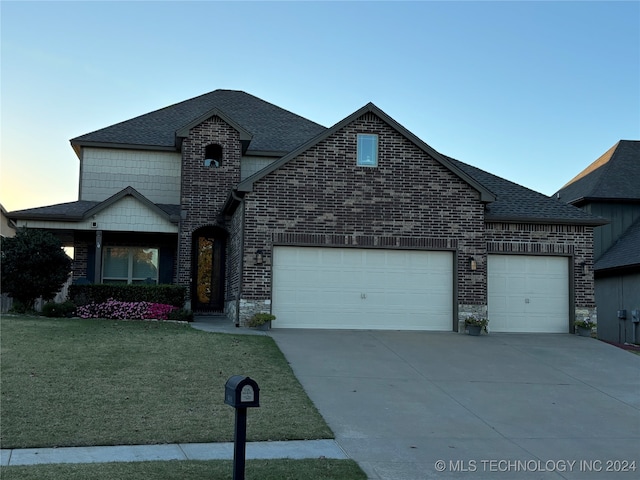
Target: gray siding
{"type": "Point", "coordinates": [613, 294]}
{"type": "Point", "coordinates": [621, 216]}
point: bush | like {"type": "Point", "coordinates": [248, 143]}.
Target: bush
{"type": "Point", "coordinates": [260, 319]}
{"type": "Point", "coordinates": [181, 315]}
{"type": "Point", "coordinates": [21, 308]}
{"type": "Point", "coordinates": [33, 265]}
{"type": "Point", "coordinates": [101, 293]}
{"type": "Point", "coordinates": [53, 309]}
{"type": "Point", "coordinates": [126, 310]}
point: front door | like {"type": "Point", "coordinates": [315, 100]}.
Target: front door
{"type": "Point", "coordinates": [208, 270]}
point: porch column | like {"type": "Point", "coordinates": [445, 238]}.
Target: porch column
{"type": "Point", "coordinates": [98, 259]}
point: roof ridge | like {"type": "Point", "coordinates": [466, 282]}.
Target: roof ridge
{"type": "Point", "coordinates": [602, 161]}
{"type": "Point", "coordinates": [172, 105]}
{"type": "Point", "coordinates": [606, 167]}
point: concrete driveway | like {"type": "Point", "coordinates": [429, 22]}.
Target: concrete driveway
{"type": "Point", "coordinates": [418, 405]}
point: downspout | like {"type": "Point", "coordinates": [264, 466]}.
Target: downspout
{"type": "Point", "coordinates": [241, 259]}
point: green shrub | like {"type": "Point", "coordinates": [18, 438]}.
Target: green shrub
{"type": "Point", "coordinates": [53, 309]}
{"type": "Point", "coordinates": [100, 293]}
{"type": "Point", "coordinates": [260, 319]}
{"type": "Point", "coordinates": [181, 315]}
{"type": "Point", "coordinates": [21, 308]}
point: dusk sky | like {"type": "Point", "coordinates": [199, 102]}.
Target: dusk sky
{"type": "Point", "coordinates": [530, 91]}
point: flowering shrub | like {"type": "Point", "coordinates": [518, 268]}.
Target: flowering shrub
{"type": "Point", "coordinates": [586, 323]}
{"type": "Point", "coordinates": [125, 310]}
{"type": "Point", "coordinates": [476, 320]}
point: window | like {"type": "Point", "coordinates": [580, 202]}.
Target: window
{"type": "Point", "coordinates": [213, 155]}
{"type": "Point", "coordinates": [130, 265]}
{"type": "Point", "coordinates": [367, 150]}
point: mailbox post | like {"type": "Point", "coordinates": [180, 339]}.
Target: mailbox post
{"type": "Point", "coordinates": [241, 393]}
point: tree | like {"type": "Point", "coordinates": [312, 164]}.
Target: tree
{"type": "Point", "coordinates": [33, 265]}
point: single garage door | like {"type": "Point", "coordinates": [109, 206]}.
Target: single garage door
{"type": "Point", "coordinates": [362, 289]}
{"type": "Point", "coordinates": [528, 293]}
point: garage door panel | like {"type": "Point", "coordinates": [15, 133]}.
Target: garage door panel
{"type": "Point", "coordinates": [362, 288]}
{"type": "Point", "coordinates": [528, 293]}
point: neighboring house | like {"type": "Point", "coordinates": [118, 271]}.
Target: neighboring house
{"type": "Point", "coordinates": [361, 225]}
{"type": "Point", "coordinates": [610, 188]}
{"type": "Point", "coordinates": [7, 228]}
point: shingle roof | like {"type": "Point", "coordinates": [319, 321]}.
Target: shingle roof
{"type": "Point", "coordinates": [81, 209]}
{"type": "Point", "coordinates": [625, 252]}
{"type": "Point", "coordinates": [273, 129]}
{"type": "Point", "coordinates": [62, 211]}
{"type": "Point", "coordinates": [613, 176]}
{"type": "Point", "coordinates": [517, 203]}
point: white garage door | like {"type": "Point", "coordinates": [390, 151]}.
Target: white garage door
{"type": "Point", "coordinates": [362, 289]}
{"type": "Point", "coordinates": [528, 293]}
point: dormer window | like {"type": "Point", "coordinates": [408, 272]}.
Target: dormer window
{"type": "Point", "coordinates": [367, 150]}
{"type": "Point", "coordinates": [213, 155]}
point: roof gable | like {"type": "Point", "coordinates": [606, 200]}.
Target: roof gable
{"type": "Point", "coordinates": [130, 191]}
{"type": "Point", "coordinates": [245, 136]}
{"type": "Point", "coordinates": [613, 176]}
{"type": "Point", "coordinates": [485, 194]}
{"type": "Point", "coordinates": [84, 209]}
{"type": "Point", "coordinates": [268, 127]}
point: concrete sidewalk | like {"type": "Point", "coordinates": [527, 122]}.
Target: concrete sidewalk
{"type": "Point", "coordinates": [297, 449]}
{"type": "Point", "coordinates": [222, 324]}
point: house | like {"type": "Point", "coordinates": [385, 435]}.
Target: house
{"type": "Point", "coordinates": [7, 228]}
{"type": "Point", "coordinates": [360, 225]}
{"type": "Point", "coordinates": [610, 188]}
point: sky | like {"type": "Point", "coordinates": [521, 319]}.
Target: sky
{"type": "Point", "coordinates": [530, 91]}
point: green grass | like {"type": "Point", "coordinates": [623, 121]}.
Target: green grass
{"type": "Point", "coordinates": [320, 469]}
{"type": "Point", "coordinates": [72, 382]}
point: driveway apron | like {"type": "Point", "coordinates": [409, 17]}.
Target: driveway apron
{"type": "Point", "coordinates": [421, 405]}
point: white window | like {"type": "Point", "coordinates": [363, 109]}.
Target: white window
{"type": "Point", "coordinates": [367, 150]}
{"type": "Point", "coordinates": [130, 265]}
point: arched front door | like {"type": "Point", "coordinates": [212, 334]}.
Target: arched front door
{"type": "Point", "coordinates": [208, 269]}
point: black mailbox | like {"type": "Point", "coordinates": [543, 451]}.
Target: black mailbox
{"type": "Point", "coordinates": [241, 392]}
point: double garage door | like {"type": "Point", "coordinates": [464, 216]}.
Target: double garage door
{"type": "Point", "coordinates": [345, 288]}
{"type": "Point", "coordinates": [362, 289]}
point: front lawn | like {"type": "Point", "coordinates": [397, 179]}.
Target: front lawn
{"type": "Point", "coordinates": [317, 469]}
{"type": "Point", "coordinates": [73, 382]}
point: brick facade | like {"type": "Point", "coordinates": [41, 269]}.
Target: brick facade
{"type": "Point", "coordinates": [572, 241]}
{"type": "Point", "coordinates": [323, 198]}
{"type": "Point", "coordinates": [204, 189]}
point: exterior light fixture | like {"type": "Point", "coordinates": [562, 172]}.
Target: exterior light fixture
{"type": "Point", "coordinates": [259, 257]}
{"type": "Point", "coordinates": [473, 264]}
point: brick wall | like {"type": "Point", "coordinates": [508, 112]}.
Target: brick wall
{"type": "Point", "coordinates": [573, 241]}
{"type": "Point", "coordinates": [323, 198]}
{"type": "Point", "coordinates": [233, 266]}
{"type": "Point", "coordinates": [80, 257]}
{"type": "Point", "coordinates": [204, 190]}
